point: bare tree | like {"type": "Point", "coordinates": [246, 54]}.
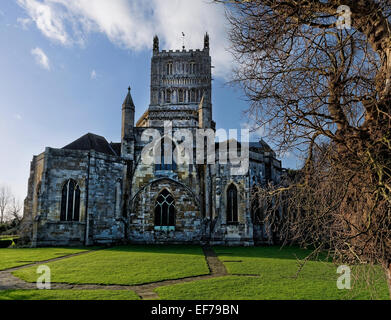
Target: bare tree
{"type": "Point", "coordinates": [320, 82]}
{"type": "Point", "coordinates": [15, 210]}
{"type": "Point", "coordinates": [5, 198]}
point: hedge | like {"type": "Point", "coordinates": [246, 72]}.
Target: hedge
{"type": "Point", "coordinates": [5, 243]}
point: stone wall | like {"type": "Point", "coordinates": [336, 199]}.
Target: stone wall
{"type": "Point", "coordinates": [94, 172]}
{"type": "Point", "coordinates": [183, 184]}
{"type": "Point", "coordinates": [225, 233]}
{"type": "Point", "coordinates": [188, 222]}
{"type": "Point", "coordinates": [200, 193]}
{"type": "Point", "coordinates": [33, 194]}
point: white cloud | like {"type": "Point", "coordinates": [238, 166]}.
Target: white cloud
{"type": "Point", "coordinates": [131, 24]}
{"type": "Point", "coordinates": [195, 18]}
{"type": "Point", "coordinates": [47, 18]}
{"type": "Point", "coordinates": [24, 22]}
{"type": "Point", "coordinates": [17, 116]}
{"type": "Point", "coordinates": [93, 75]}
{"type": "Point", "coordinates": [41, 58]}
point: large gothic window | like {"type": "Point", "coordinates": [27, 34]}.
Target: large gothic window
{"type": "Point", "coordinates": [165, 211]}
{"type": "Point", "coordinates": [232, 204]}
{"type": "Point", "coordinates": [70, 201]}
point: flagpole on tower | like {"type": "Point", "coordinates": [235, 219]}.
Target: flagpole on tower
{"type": "Point", "coordinates": [183, 41]}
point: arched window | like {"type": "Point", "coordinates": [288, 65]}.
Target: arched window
{"type": "Point", "coordinates": [192, 68]}
{"type": "Point", "coordinates": [70, 201]}
{"type": "Point", "coordinates": [169, 68]}
{"type": "Point", "coordinates": [180, 96]}
{"type": "Point", "coordinates": [232, 204]}
{"type": "Point", "coordinates": [165, 211]}
{"type": "Point", "coordinates": [193, 95]}
{"type": "Point", "coordinates": [168, 96]}
{"type": "Point", "coordinates": [167, 162]}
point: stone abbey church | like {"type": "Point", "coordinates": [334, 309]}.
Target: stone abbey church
{"type": "Point", "coordinates": [95, 192]}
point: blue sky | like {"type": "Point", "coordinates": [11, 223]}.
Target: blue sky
{"type": "Point", "coordinates": [65, 66]}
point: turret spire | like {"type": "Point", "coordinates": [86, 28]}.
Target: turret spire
{"type": "Point", "coordinates": [128, 103]}
{"type": "Point", "coordinates": [127, 134]}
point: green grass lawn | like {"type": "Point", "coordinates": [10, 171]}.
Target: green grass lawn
{"type": "Point", "coordinates": [68, 295]}
{"type": "Point", "coordinates": [126, 265]}
{"type": "Point", "coordinates": [255, 273]}
{"type": "Point", "coordinates": [10, 258]}
{"type": "Point", "coordinates": [273, 276]}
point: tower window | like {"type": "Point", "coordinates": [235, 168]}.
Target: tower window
{"type": "Point", "coordinates": [169, 67]}
{"type": "Point", "coordinates": [167, 161]}
{"type": "Point", "coordinates": [168, 96]}
{"type": "Point", "coordinates": [165, 211]}
{"type": "Point", "coordinates": [70, 201]}
{"type": "Point", "coordinates": [180, 96]}
{"type": "Point", "coordinates": [232, 204]}
{"type": "Point", "coordinates": [192, 67]}
{"type": "Point", "coordinates": [193, 95]}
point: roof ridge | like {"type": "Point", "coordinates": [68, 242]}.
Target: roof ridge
{"type": "Point", "coordinates": [92, 141]}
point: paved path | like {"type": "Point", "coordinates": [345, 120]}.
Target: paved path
{"type": "Point", "coordinates": [146, 291]}
{"type": "Point", "coordinates": [8, 281]}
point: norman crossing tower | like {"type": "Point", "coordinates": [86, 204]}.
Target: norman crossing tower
{"type": "Point", "coordinates": [181, 85]}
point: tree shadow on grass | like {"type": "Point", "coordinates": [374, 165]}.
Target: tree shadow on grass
{"type": "Point", "coordinates": [270, 252]}
{"type": "Point", "coordinates": [160, 249]}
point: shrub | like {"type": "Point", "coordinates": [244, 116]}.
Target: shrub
{"type": "Point", "coordinates": [5, 243]}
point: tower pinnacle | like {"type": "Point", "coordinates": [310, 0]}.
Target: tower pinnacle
{"type": "Point", "coordinates": [128, 102]}
{"type": "Point", "coordinates": [206, 41]}
{"type": "Point", "coordinates": [156, 44]}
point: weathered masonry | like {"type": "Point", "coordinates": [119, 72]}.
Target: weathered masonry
{"type": "Point", "coordinates": [96, 192]}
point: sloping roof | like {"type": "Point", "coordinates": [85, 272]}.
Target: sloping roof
{"type": "Point", "coordinates": [116, 147]}
{"type": "Point", "coordinates": [226, 142]}
{"type": "Point", "coordinates": [91, 141]}
{"type": "Point", "coordinates": [261, 144]}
